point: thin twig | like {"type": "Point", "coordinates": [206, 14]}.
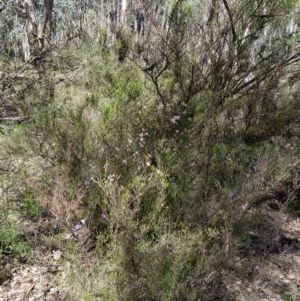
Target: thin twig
{"type": "Point", "coordinates": [28, 291]}
{"type": "Point", "coordinates": [234, 36]}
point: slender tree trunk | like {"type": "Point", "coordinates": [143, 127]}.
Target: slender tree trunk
{"type": "Point", "coordinates": [25, 48]}
{"type": "Point", "coordinates": [31, 30]}
{"type": "Point", "coordinates": [46, 38]}
{"type": "Point", "coordinates": [36, 43]}
{"type": "Point", "coordinates": [101, 14]}
{"type": "Point", "coordinates": [123, 12]}
{"type": "Point", "coordinates": [40, 43]}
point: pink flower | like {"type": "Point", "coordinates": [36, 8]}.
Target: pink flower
{"type": "Point", "coordinates": [288, 146]}
{"type": "Point", "coordinates": [124, 161]}
{"type": "Point", "coordinates": [82, 221]}
{"type": "Point", "coordinates": [117, 149]}
{"type": "Point", "coordinates": [78, 227]}
{"type": "Point", "coordinates": [175, 119]}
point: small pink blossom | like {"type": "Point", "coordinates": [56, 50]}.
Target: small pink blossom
{"type": "Point", "coordinates": [175, 119]}
{"type": "Point", "coordinates": [288, 146]}
{"type": "Point", "coordinates": [82, 221]}
{"type": "Point", "coordinates": [124, 161]}
{"type": "Point", "coordinates": [117, 149]}
{"type": "Point", "coordinates": [138, 104]}
{"type": "Point", "coordinates": [160, 107]}
{"type": "Point", "coordinates": [78, 227]}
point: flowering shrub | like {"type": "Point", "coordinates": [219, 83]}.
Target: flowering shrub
{"type": "Point", "coordinates": [165, 164]}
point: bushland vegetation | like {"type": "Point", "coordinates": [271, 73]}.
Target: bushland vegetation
{"type": "Point", "coordinates": [163, 139]}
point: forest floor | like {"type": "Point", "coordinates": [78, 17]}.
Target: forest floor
{"type": "Point", "coordinates": [49, 274]}
{"type": "Point", "coordinates": [266, 266]}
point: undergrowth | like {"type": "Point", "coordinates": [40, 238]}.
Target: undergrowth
{"type": "Point", "coordinates": [163, 165]}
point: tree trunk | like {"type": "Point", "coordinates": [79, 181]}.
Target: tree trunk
{"type": "Point", "coordinates": [46, 38]}
{"type": "Point", "coordinates": [123, 13]}
{"type": "Point", "coordinates": [31, 30]}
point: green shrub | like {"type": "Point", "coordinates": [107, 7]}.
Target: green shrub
{"type": "Point", "coordinates": [165, 162]}
{"type": "Point", "coordinates": [32, 207]}
{"type": "Point", "coordinates": [11, 239]}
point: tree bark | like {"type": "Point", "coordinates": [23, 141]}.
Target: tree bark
{"type": "Point", "coordinates": [46, 38]}
{"type": "Point", "coordinates": [31, 30]}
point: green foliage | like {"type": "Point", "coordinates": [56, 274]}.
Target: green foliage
{"type": "Point", "coordinates": [175, 266]}
{"type": "Point", "coordinates": [289, 296]}
{"type": "Point", "coordinates": [165, 162]}
{"type": "Point", "coordinates": [32, 207]}
{"type": "Point", "coordinates": [11, 239]}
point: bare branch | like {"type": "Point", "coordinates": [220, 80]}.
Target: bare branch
{"type": "Point", "coordinates": [234, 36]}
